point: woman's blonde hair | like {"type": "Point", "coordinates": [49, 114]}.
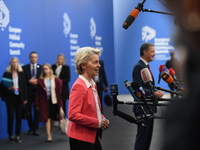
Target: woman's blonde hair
{"type": "Point", "coordinates": [63, 57]}
{"type": "Point", "coordinates": [9, 68]}
{"type": "Point", "coordinates": [51, 73]}
{"type": "Point", "coordinates": [82, 57]}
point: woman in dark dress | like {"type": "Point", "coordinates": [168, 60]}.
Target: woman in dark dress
{"type": "Point", "coordinates": [62, 71]}
{"type": "Point", "coordinates": [13, 86]}
{"type": "Point", "coordinates": [48, 99]}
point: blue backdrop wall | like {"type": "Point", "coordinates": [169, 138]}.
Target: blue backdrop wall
{"type": "Point", "coordinates": [52, 27]}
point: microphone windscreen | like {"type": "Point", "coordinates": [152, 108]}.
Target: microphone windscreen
{"type": "Point", "coordinates": [167, 77]}
{"type": "Point", "coordinates": [146, 75]}
{"type": "Point", "coordinates": [166, 70]}
{"type": "Point", "coordinates": [131, 18]}
{"type": "Point", "coordinates": [127, 83]}
{"type": "Point", "coordinates": [171, 72]}
{"type": "Point", "coordinates": [161, 68]}
{"type": "Point", "coordinates": [135, 85]}
{"type": "Point", "coordinates": [134, 13]}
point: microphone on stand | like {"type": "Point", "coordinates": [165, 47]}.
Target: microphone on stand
{"type": "Point", "coordinates": [130, 89]}
{"type": "Point", "coordinates": [147, 78]}
{"type": "Point", "coordinates": [161, 69]}
{"type": "Point", "coordinates": [169, 79]}
{"type": "Point", "coordinates": [133, 15]}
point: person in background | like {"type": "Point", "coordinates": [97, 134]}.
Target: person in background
{"type": "Point", "coordinates": [86, 121]}
{"type": "Point", "coordinates": [62, 71]}
{"type": "Point", "coordinates": [13, 86]}
{"type": "Point", "coordinates": [144, 134]}
{"type": "Point", "coordinates": [48, 99]}
{"type": "Point", "coordinates": [32, 73]}
{"type": "Point", "coordinates": [101, 82]}
{"type": "Point", "coordinates": [174, 64]}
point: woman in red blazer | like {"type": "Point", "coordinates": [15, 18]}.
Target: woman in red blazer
{"type": "Point", "coordinates": [48, 99]}
{"type": "Point", "coordinates": [84, 112]}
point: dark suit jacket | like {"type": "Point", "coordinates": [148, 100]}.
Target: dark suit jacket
{"type": "Point", "coordinates": [41, 101]}
{"type": "Point", "coordinates": [136, 75]}
{"type": "Point", "coordinates": [102, 76]}
{"type": "Point", "coordinates": [31, 89]}
{"type": "Point", "coordinates": [8, 95]}
{"type": "Point", "coordinates": [65, 77]}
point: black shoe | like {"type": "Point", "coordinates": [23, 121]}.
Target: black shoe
{"type": "Point", "coordinates": [36, 133]}
{"type": "Point", "coordinates": [17, 139]}
{"type": "Point", "coordinates": [49, 139]}
{"type": "Point", "coordinates": [11, 138]}
{"type": "Point", "coordinates": [29, 132]}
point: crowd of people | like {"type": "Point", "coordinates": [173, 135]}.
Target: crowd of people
{"type": "Point", "coordinates": [42, 89]}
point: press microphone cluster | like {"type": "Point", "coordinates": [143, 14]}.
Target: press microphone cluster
{"type": "Point", "coordinates": [171, 71]}
{"type": "Point", "coordinates": [140, 94]}
{"type": "Point", "coordinates": [114, 93]}
{"type": "Point", "coordinates": [176, 78]}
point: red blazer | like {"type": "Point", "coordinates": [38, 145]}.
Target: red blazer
{"type": "Point", "coordinates": [41, 101]}
{"type": "Point", "coordinates": [82, 113]}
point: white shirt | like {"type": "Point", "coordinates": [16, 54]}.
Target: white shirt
{"type": "Point", "coordinates": [145, 62]}
{"type": "Point", "coordinates": [15, 84]}
{"type": "Point", "coordinates": [35, 68]}
{"type": "Point", "coordinates": [58, 70]}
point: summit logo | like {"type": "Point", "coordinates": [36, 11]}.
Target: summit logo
{"type": "Point", "coordinates": [66, 24]}
{"type": "Point", "coordinates": [4, 15]}
{"type": "Point", "coordinates": [148, 33]}
{"type": "Point", "coordinates": [92, 28]}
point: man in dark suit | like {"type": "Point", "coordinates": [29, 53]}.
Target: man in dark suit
{"type": "Point", "coordinates": [62, 71]}
{"type": "Point", "coordinates": [32, 73]}
{"type": "Point", "coordinates": [101, 82]}
{"type": "Point", "coordinates": [144, 134]}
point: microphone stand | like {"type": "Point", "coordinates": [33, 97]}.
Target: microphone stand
{"type": "Point", "coordinates": [140, 7]}
{"type": "Point", "coordinates": [155, 101]}
{"type": "Point", "coordinates": [159, 88]}
{"type": "Point", "coordinates": [123, 115]}
{"type": "Point", "coordinates": [154, 11]}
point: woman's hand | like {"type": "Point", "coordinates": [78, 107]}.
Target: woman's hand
{"type": "Point", "coordinates": [104, 124]}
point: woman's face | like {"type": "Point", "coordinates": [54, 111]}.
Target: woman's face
{"type": "Point", "coordinates": [60, 60]}
{"type": "Point", "coordinates": [14, 64]}
{"type": "Point", "coordinates": [46, 70]}
{"type": "Point", "coordinates": [91, 69]}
